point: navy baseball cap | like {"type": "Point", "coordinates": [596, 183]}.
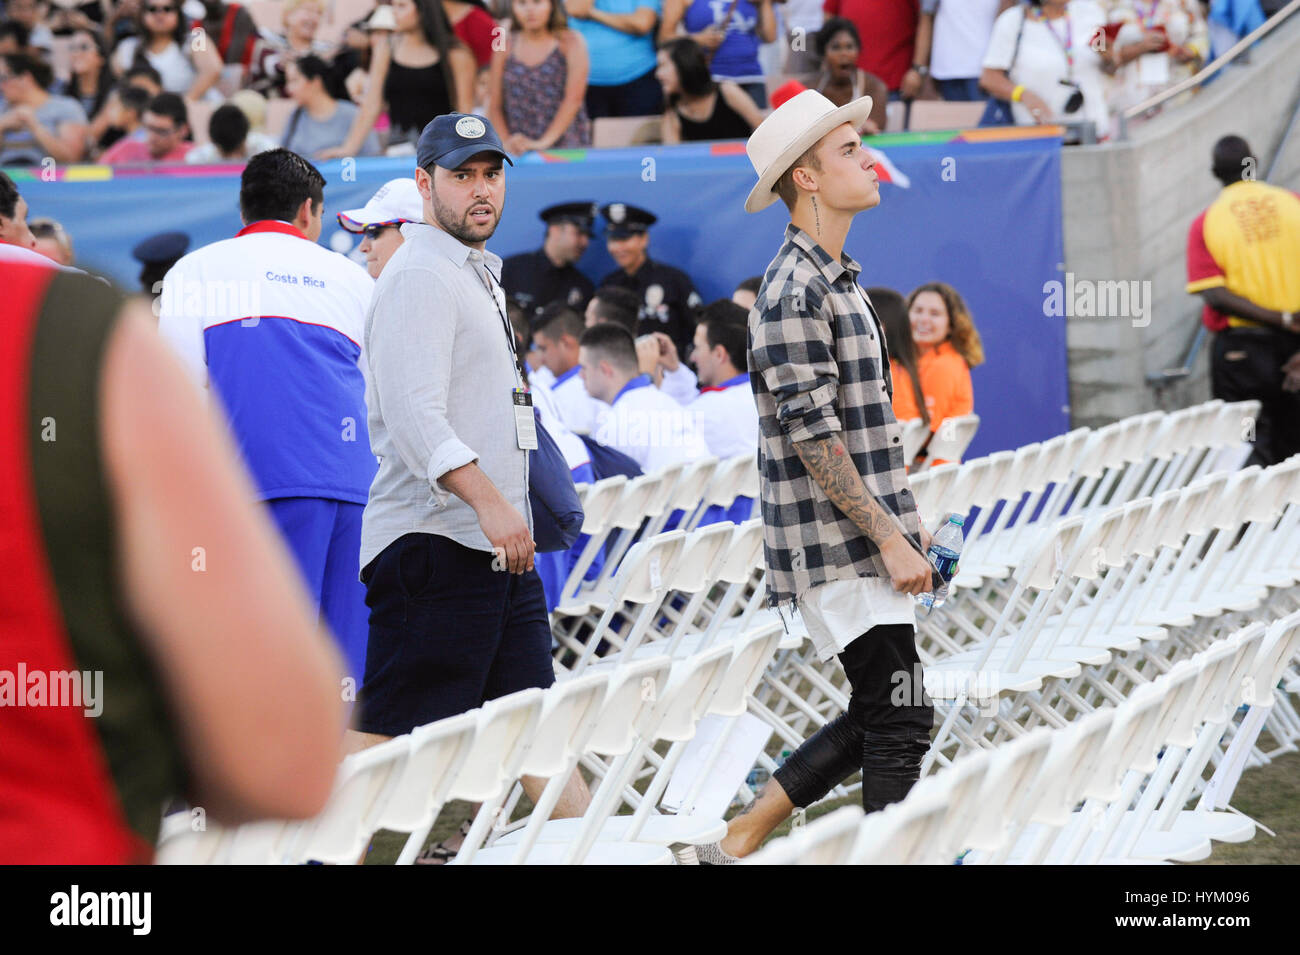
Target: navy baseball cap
{"type": "Point", "coordinates": [452, 138]}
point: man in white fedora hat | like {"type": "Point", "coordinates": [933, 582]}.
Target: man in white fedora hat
{"type": "Point", "coordinates": [842, 539]}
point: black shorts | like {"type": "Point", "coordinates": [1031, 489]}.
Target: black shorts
{"type": "Point", "coordinates": [447, 634]}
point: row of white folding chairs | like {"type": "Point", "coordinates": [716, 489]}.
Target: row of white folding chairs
{"type": "Point", "coordinates": [1079, 616]}
{"type": "Point", "coordinates": [674, 592]}
{"type": "Point", "coordinates": [1133, 768]}
{"type": "Point", "coordinates": [1074, 473]}
{"type": "Point", "coordinates": [1106, 593]}
{"type": "Point", "coordinates": [403, 784]}
{"type": "Point", "coordinates": [618, 511]}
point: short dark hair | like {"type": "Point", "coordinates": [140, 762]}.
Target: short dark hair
{"type": "Point", "coordinates": [617, 305]}
{"type": "Point", "coordinates": [751, 284]}
{"type": "Point", "coordinates": [312, 67]}
{"type": "Point", "coordinates": [171, 106]}
{"type": "Point", "coordinates": [1230, 159]}
{"type": "Point", "coordinates": [228, 128]}
{"type": "Point", "coordinates": [38, 70]}
{"type": "Point", "coordinates": [726, 324]}
{"type": "Point", "coordinates": [275, 184]}
{"type": "Point", "coordinates": [558, 320]}
{"type": "Point", "coordinates": [145, 70]}
{"type": "Point", "coordinates": [692, 66]}
{"type": "Point", "coordinates": [822, 38]}
{"type": "Point", "coordinates": [20, 33]}
{"type": "Point", "coordinates": [134, 98]}
{"type": "Point", "coordinates": [8, 196]}
{"type": "Point", "coordinates": [611, 343]}
{"type": "Point", "coordinates": [785, 187]}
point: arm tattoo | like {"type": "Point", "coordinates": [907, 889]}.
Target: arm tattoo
{"type": "Point", "coordinates": [834, 471]}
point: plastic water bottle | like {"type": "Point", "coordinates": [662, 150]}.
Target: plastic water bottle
{"type": "Point", "coordinates": [944, 552]}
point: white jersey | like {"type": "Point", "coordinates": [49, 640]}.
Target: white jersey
{"type": "Point", "coordinates": [580, 412]}
{"type": "Point", "coordinates": [651, 428]}
{"type": "Point", "coordinates": [571, 446]}
{"type": "Point", "coordinates": [680, 385]}
{"type": "Point", "coordinates": [727, 418]}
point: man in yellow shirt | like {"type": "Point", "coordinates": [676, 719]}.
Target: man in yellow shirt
{"type": "Point", "coordinates": [1243, 258]}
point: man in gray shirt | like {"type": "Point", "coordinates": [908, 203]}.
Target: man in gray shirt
{"type": "Point", "coordinates": [457, 612]}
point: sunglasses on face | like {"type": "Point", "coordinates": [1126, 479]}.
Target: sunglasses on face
{"type": "Point", "coordinates": [153, 9]}
{"type": "Point", "coordinates": [373, 232]}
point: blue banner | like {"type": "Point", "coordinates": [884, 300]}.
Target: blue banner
{"type": "Point", "coordinates": [983, 216]}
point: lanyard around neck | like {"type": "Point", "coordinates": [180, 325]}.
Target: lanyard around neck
{"type": "Point", "coordinates": [1066, 45]}
{"type": "Point", "coordinates": [488, 280]}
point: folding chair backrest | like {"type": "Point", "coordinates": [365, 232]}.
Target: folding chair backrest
{"type": "Point", "coordinates": [1190, 695]}
{"type": "Point", "coordinates": [953, 437]}
{"type": "Point", "coordinates": [744, 554]}
{"type": "Point", "coordinates": [599, 501]}
{"type": "Point", "coordinates": [690, 690]}
{"type": "Point", "coordinates": [1164, 509]}
{"type": "Point", "coordinates": [629, 700]}
{"type": "Point", "coordinates": [1235, 489]}
{"type": "Point", "coordinates": [751, 655]}
{"type": "Point", "coordinates": [632, 507]}
{"type": "Point", "coordinates": [690, 487]}
{"type": "Point", "coordinates": [1142, 431]}
{"type": "Point", "coordinates": [1149, 728]}
{"type": "Point", "coordinates": [179, 843]}
{"type": "Point", "coordinates": [1043, 564]}
{"type": "Point", "coordinates": [362, 786]}
{"type": "Point", "coordinates": [1248, 641]}
{"type": "Point", "coordinates": [665, 482]}
{"type": "Point", "coordinates": [700, 557]}
{"type": "Point", "coordinates": [1201, 518]}
{"type": "Point", "coordinates": [643, 576]}
{"type": "Point", "coordinates": [969, 773]}
{"type": "Point", "coordinates": [1236, 423]}
{"type": "Point", "coordinates": [728, 480]}
{"type": "Point", "coordinates": [939, 481]}
{"type": "Point", "coordinates": [438, 751]}
{"type": "Point", "coordinates": [1010, 788]}
{"type": "Point", "coordinates": [1275, 655]}
{"type": "Point", "coordinates": [959, 494]}
{"type": "Point", "coordinates": [1267, 498]}
{"type": "Point", "coordinates": [265, 842]}
{"type": "Point", "coordinates": [1130, 733]}
{"type": "Point", "coordinates": [825, 841]}
{"type": "Point", "coordinates": [914, 434]}
{"type": "Point", "coordinates": [1068, 454]}
{"type": "Point", "coordinates": [1104, 449]}
{"type": "Point", "coordinates": [992, 485]}
{"type": "Point", "coordinates": [1070, 767]}
{"type": "Point", "coordinates": [905, 832]}
{"type": "Point", "coordinates": [1023, 473]}
{"type": "Point", "coordinates": [569, 713]}
{"type": "Point", "coordinates": [505, 729]}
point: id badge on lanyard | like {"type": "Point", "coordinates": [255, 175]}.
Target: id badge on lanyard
{"type": "Point", "coordinates": [520, 400]}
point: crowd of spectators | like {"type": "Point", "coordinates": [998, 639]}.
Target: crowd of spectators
{"type": "Point", "coordinates": [544, 71]}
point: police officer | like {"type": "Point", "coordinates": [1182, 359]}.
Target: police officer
{"type": "Point", "coordinates": [668, 297]}
{"type": "Point", "coordinates": [156, 255]}
{"type": "Point", "coordinates": [548, 275]}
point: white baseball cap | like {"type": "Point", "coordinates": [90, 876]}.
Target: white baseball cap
{"type": "Point", "coordinates": [397, 201]}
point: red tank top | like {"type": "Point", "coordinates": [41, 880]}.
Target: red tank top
{"type": "Point", "coordinates": [58, 803]}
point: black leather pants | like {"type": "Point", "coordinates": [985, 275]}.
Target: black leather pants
{"type": "Point", "coordinates": [885, 732]}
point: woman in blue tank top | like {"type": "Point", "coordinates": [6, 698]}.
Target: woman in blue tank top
{"type": "Point", "coordinates": [732, 31]}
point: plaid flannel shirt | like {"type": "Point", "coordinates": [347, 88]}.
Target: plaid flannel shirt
{"type": "Point", "coordinates": [819, 366]}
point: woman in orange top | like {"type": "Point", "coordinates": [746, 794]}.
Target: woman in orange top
{"type": "Point", "coordinates": [948, 347]}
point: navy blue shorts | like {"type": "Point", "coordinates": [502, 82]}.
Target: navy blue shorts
{"type": "Point", "coordinates": [447, 634]}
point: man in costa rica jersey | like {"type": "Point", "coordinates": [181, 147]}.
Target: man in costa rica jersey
{"type": "Point", "coordinates": [272, 323]}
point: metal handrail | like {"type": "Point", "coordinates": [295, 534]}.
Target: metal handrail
{"type": "Point", "coordinates": [1210, 69]}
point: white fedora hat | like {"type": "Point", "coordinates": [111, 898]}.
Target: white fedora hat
{"type": "Point", "coordinates": [787, 133]}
